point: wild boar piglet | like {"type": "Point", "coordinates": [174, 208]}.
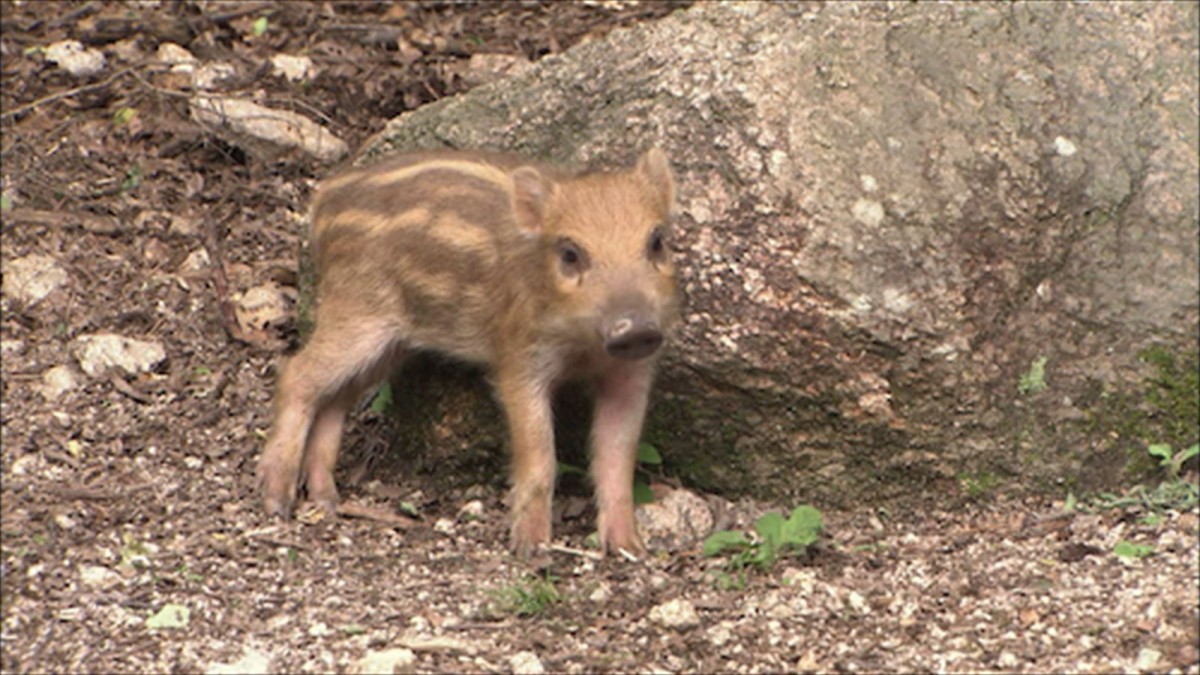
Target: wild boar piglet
{"type": "Point", "coordinates": [538, 274]}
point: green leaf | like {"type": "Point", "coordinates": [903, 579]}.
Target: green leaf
{"type": "Point", "coordinates": [802, 527]}
{"type": "Point", "coordinates": [409, 509]}
{"type": "Point", "coordinates": [5, 203]}
{"type": "Point", "coordinates": [723, 540]}
{"type": "Point", "coordinates": [1128, 549]}
{"type": "Point", "coordinates": [565, 468]}
{"type": "Point", "coordinates": [770, 528]}
{"type": "Point", "coordinates": [123, 116]}
{"type": "Point", "coordinates": [383, 398]}
{"type": "Point", "coordinates": [1071, 503]}
{"type": "Point", "coordinates": [642, 494]}
{"type": "Point", "coordinates": [1160, 450]}
{"type": "Point", "coordinates": [260, 26]}
{"type": "Point", "coordinates": [648, 454]}
{"type": "Point", "coordinates": [1035, 380]}
{"type": "Point", "coordinates": [170, 616]}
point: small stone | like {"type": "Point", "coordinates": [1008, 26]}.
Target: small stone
{"type": "Point", "coordinates": [65, 521]}
{"type": "Point", "coordinates": [97, 353]}
{"type": "Point", "coordinates": [472, 510]}
{"type": "Point", "coordinates": [1007, 660]}
{"type": "Point", "coordinates": [601, 593]}
{"type": "Point", "coordinates": [265, 132]}
{"type": "Point", "coordinates": [11, 348]}
{"type": "Point", "coordinates": [97, 576]}
{"type": "Point", "coordinates": [443, 525]}
{"type": "Point", "coordinates": [26, 466]}
{"type": "Point", "coordinates": [386, 662]}
{"type": "Point", "coordinates": [485, 68]}
{"type": "Point", "coordinates": [1064, 147]}
{"type": "Point", "coordinates": [678, 614]}
{"type": "Point", "coordinates": [32, 278]}
{"type": "Point", "coordinates": [210, 75]}
{"type": "Point", "coordinates": [261, 306]}
{"type": "Point", "coordinates": [294, 68]}
{"type": "Point", "coordinates": [526, 663]}
{"type": "Point", "coordinates": [720, 634]}
{"type": "Point", "coordinates": [253, 662]}
{"type": "Point", "coordinates": [57, 381]}
{"type": "Point", "coordinates": [197, 261]}
{"type": "Point", "coordinates": [319, 629]}
{"type": "Point", "coordinates": [675, 521]}
{"type": "Point", "coordinates": [172, 54]}
{"type": "Point", "coordinates": [1147, 659]}
{"type": "Point", "coordinates": [73, 57]}
{"type": "Point", "coordinates": [868, 212]}
{"type": "Point", "coordinates": [858, 603]}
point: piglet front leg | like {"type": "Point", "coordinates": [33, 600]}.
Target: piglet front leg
{"type": "Point", "coordinates": [621, 398]}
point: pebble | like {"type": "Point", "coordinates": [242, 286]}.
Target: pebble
{"type": "Point", "coordinates": [526, 663]}
{"type": "Point", "coordinates": [387, 662]}
{"type": "Point", "coordinates": [73, 57]}
{"type": "Point", "coordinates": [57, 381]}
{"type": "Point", "coordinates": [32, 278]}
{"type": "Point", "coordinates": [678, 614]}
{"type": "Point", "coordinates": [97, 353]}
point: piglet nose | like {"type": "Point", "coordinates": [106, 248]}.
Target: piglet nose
{"type": "Point", "coordinates": [632, 340]}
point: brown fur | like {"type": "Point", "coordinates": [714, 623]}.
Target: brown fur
{"type": "Point", "coordinates": [526, 269]}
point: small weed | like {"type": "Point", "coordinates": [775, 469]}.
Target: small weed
{"type": "Point", "coordinates": [1172, 462]}
{"type": "Point", "coordinates": [133, 178]}
{"type": "Point", "coordinates": [123, 116]}
{"type": "Point", "coordinates": [383, 399]}
{"type": "Point", "coordinates": [261, 24]}
{"type": "Point", "coordinates": [979, 485]}
{"type": "Point", "coordinates": [1127, 549]}
{"type": "Point", "coordinates": [528, 597]}
{"type": "Point", "coordinates": [1034, 380]}
{"type": "Point", "coordinates": [647, 456]}
{"type": "Point", "coordinates": [777, 537]}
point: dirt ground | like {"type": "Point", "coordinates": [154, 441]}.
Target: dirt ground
{"type": "Point", "coordinates": [132, 538]}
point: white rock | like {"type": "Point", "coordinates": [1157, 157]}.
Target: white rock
{"type": "Point", "coordinates": [858, 603]}
{"type": "Point", "coordinates": [720, 634]}
{"type": "Point", "coordinates": [172, 54]}
{"type": "Point", "coordinates": [73, 57]}
{"type": "Point", "coordinates": [210, 75]}
{"type": "Point", "coordinates": [601, 594]}
{"type": "Point", "coordinates": [98, 576]}
{"type": "Point", "coordinates": [32, 278]}
{"type": "Point", "coordinates": [253, 662]}
{"type": "Point", "coordinates": [264, 131]}
{"type": "Point", "coordinates": [526, 663]}
{"type": "Point", "coordinates": [11, 348]}
{"type": "Point", "coordinates": [485, 68]}
{"type": "Point", "coordinates": [443, 525]}
{"type": "Point", "coordinates": [386, 662]}
{"type": "Point", "coordinates": [294, 68]}
{"type": "Point", "coordinates": [678, 614]}
{"type": "Point", "coordinates": [676, 521]}
{"type": "Point", "coordinates": [261, 306]}
{"type": "Point", "coordinates": [57, 381]}
{"type": "Point", "coordinates": [472, 510]}
{"type": "Point", "coordinates": [97, 353]}
{"type": "Point", "coordinates": [196, 261]}
{"type": "Point", "coordinates": [1147, 659]}
{"type": "Point", "coordinates": [26, 465]}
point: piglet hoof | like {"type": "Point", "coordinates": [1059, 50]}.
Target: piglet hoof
{"type": "Point", "coordinates": [623, 541]}
{"type": "Point", "coordinates": [528, 535]}
{"type": "Point", "coordinates": [278, 495]}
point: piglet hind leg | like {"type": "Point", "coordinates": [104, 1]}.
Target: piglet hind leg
{"type": "Point", "coordinates": [316, 389]}
{"type": "Point", "coordinates": [621, 398]}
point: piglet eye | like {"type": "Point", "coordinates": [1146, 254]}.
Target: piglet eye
{"type": "Point", "coordinates": [572, 259]}
{"type": "Point", "coordinates": [656, 246]}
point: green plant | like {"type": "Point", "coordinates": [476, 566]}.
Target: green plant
{"type": "Point", "coordinates": [528, 597]}
{"type": "Point", "coordinates": [1127, 549]}
{"type": "Point", "coordinates": [776, 537]}
{"type": "Point", "coordinates": [647, 455]}
{"type": "Point", "coordinates": [383, 398]}
{"type": "Point", "coordinates": [1170, 461]}
{"type": "Point", "coordinates": [1033, 380]}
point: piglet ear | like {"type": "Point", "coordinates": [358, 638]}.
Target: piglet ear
{"type": "Point", "coordinates": [656, 172]}
{"type": "Point", "coordinates": [531, 193]}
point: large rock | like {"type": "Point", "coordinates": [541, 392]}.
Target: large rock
{"type": "Point", "coordinates": [919, 242]}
